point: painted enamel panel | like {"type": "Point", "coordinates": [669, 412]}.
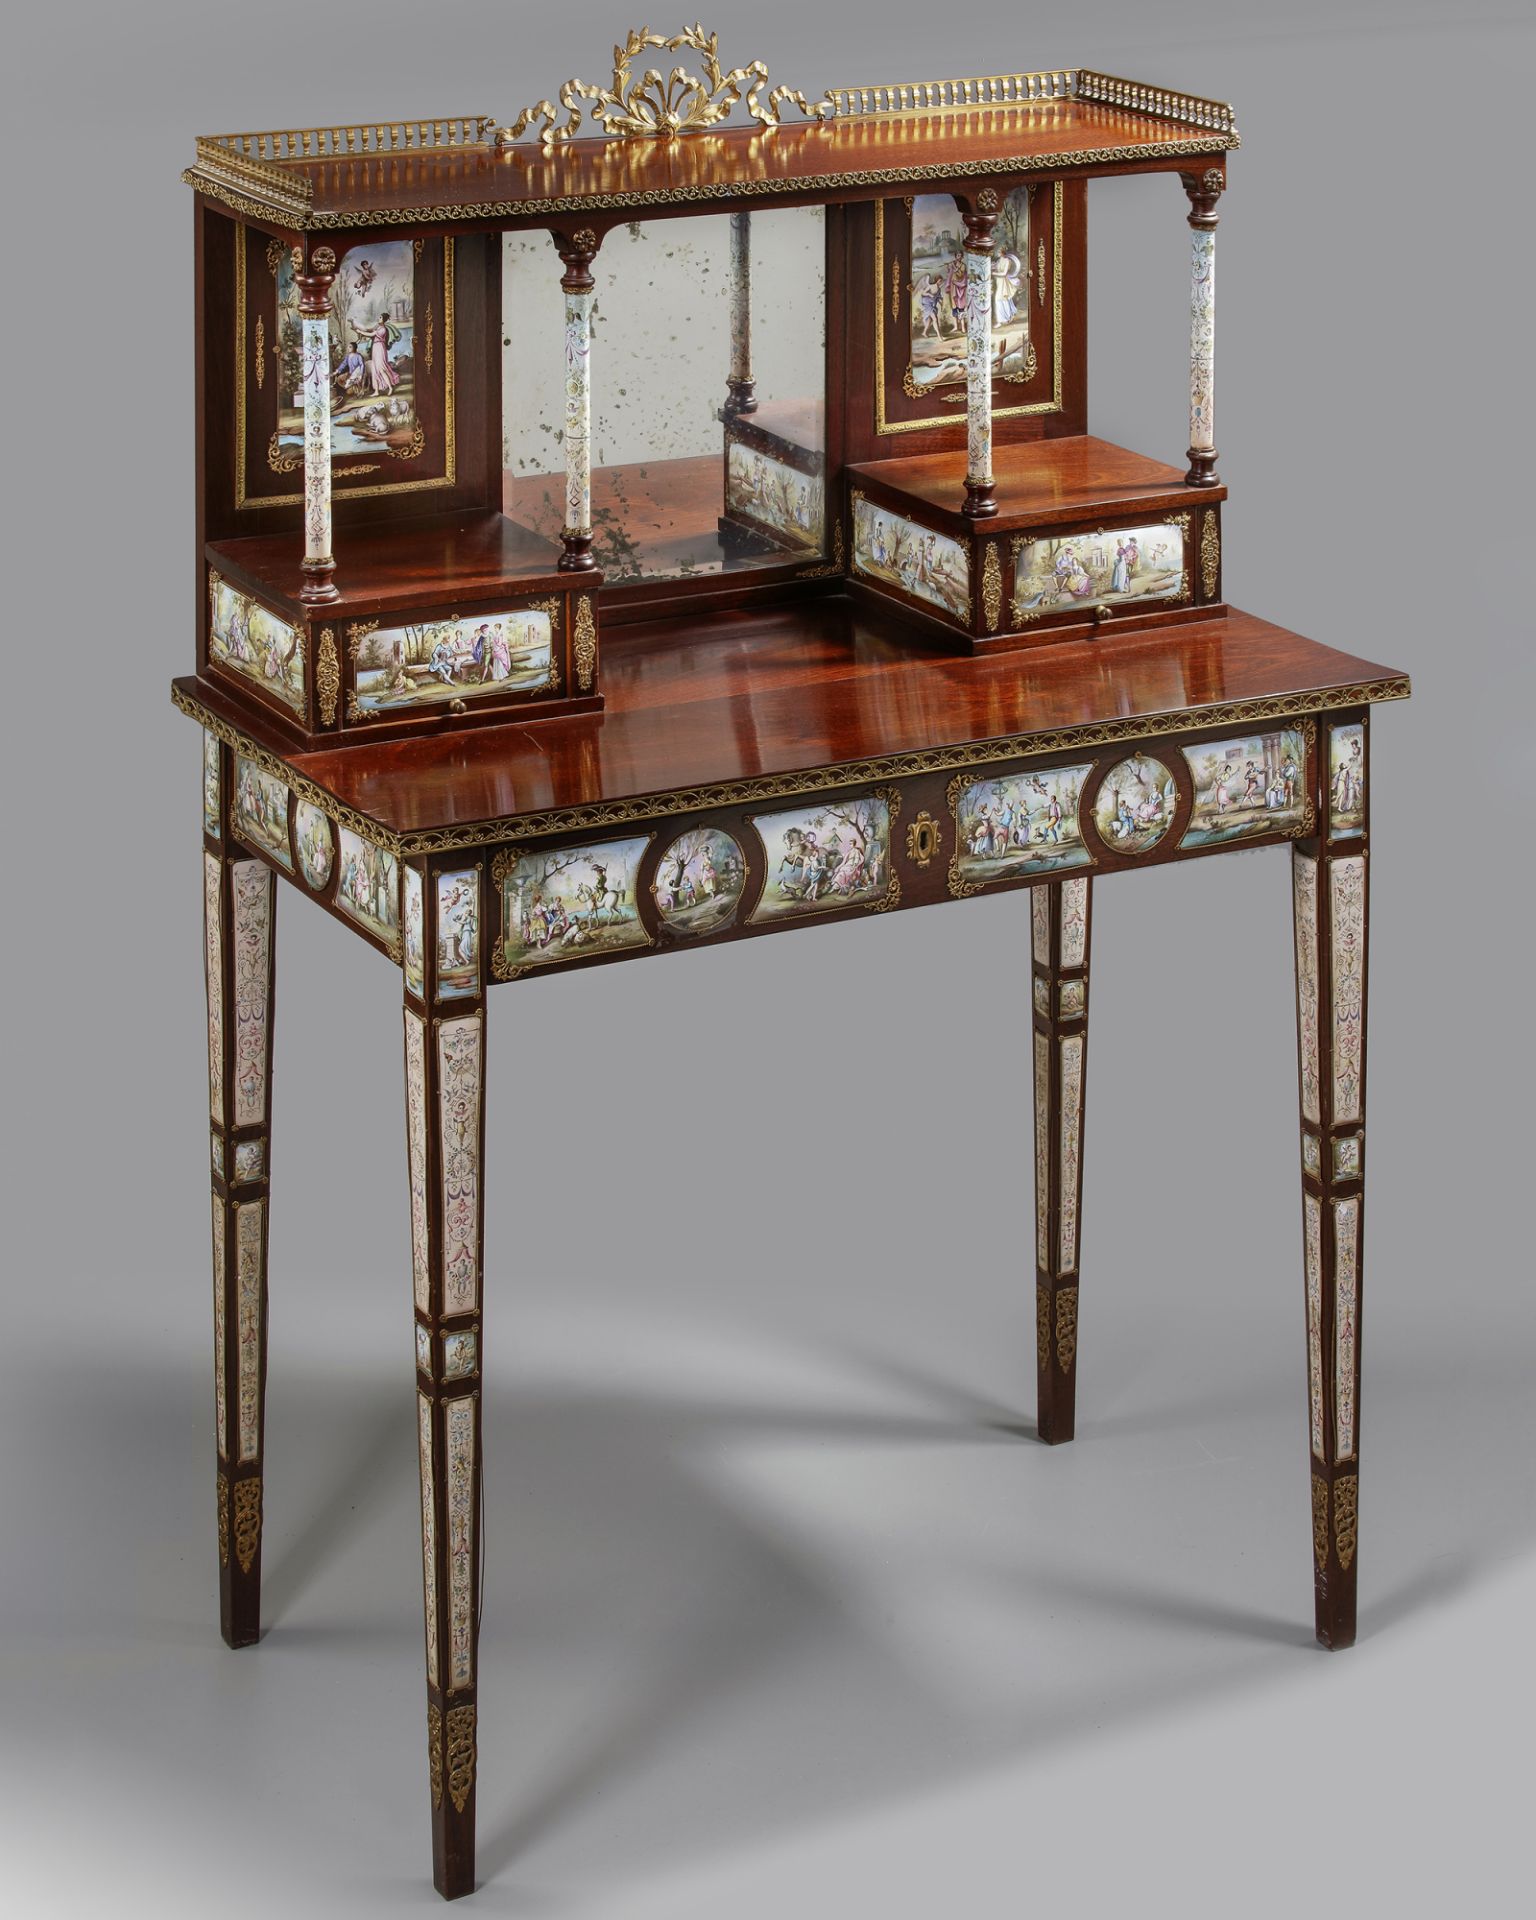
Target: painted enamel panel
{"type": "Point", "coordinates": [1346, 926]}
{"type": "Point", "coordinates": [251, 891]}
{"type": "Point", "coordinates": [245, 637]}
{"type": "Point", "coordinates": [571, 903]}
{"type": "Point", "coordinates": [213, 976]}
{"type": "Point", "coordinates": [416, 1153]}
{"type": "Point", "coordinates": [1059, 573]}
{"type": "Point", "coordinates": [212, 811]}
{"type": "Point", "coordinates": [458, 934]}
{"type": "Point", "coordinates": [250, 1159]}
{"type": "Point", "coordinates": [978, 367]}
{"type": "Point", "coordinates": [1256, 784]}
{"type": "Point", "coordinates": [891, 549]}
{"type": "Point", "coordinates": [512, 651]}
{"type": "Point", "coordinates": [775, 495]}
{"type": "Point", "coordinates": [363, 370]}
{"type": "Point", "coordinates": [1025, 823]}
{"type": "Point", "coordinates": [369, 888]}
{"type": "Point", "coordinates": [1040, 925]}
{"type": "Point", "coordinates": [1311, 1155]}
{"type": "Point", "coordinates": [1348, 1153]}
{"type": "Point", "coordinates": [1346, 1306]}
{"type": "Point", "coordinates": [1042, 991]}
{"type": "Point", "coordinates": [249, 1220]}
{"type": "Point", "coordinates": [423, 1348]}
{"type": "Point", "coordinates": [578, 411]}
{"type": "Point", "coordinates": [460, 1418]}
{"type": "Point", "coordinates": [1304, 895]}
{"type": "Point", "coordinates": [459, 1095]}
{"type": "Point", "coordinates": [315, 400]}
{"type": "Point", "coordinates": [261, 811]}
{"type": "Point", "coordinates": [1202, 340]}
{"type": "Point", "coordinates": [1074, 998]}
{"type": "Point", "coordinates": [1135, 804]}
{"type": "Point", "coordinates": [220, 1406]}
{"type": "Point", "coordinates": [1042, 1150]}
{"type": "Point", "coordinates": [824, 855]}
{"type": "Point", "coordinates": [461, 1355]}
{"type": "Point", "coordinates": [413, 930]}
{"type": "Point", "coordinates": [218, 1153]}
{"type": "Point", "coordinates": [1071, 1144]}
{"type": "Point", "coordinates": [1346, 782]}
{"type": "Point", "coordinates": [937, 286]}
{"type": "Point", "coordinates": [428, 1529]}
{"type": "Point", "coordinates": [1074, 923]}
{"type": "Point", "coordinates": [698, 882]}
{"type": "Point", "coordinates": [1312, 1220]}
{"type": "Point", "coordinates": [316, 841]}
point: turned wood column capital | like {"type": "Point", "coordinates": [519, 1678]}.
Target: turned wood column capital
{"type": "Point", "coordinates": [1204, 190]}
{"type": "Point", "coordinates": [980, 216]}
{"type": "Point", "coordinates": [577, 251]}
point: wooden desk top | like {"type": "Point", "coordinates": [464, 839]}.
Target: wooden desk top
{"type": "Point", "coordinates": [737, 701]}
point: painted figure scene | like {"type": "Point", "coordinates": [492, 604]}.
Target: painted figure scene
{"type": "Point", "coordinates": [316, 844]}
{"type": "Point", "coordinates": [778, 496]}
{"type": "Point", "coordinates": [453, 659]}
{"type": "Point", "coordinates": [372, 368]}
{"type": "Point", "coordinates": [244, 637]}
{"type": "Point", "coordinates": [458, 934]}
{"type": "Point", "coordinates": [1025, 824]}
{"type": "Point", "coordinates": [261, 811]}
{"type": "Point", "coordinates": [1135, 805]}
{"type": "Point", "coordinates": [1098, 569]}
{"type": "Point", "coordinates": [368, 888]}
{"type": "Point", "coordinates": [571, 903]}
{"type": "Point", "coordinates": [937, 289]}
{"type": "Point", "coordinates": [412, 930]}
{"type": "Point", "coordinates": [837, 854]}
{"type": "Point", "coordinates": [210, 786]}
{"type": "Point", "coordinates": [699, 881]}
{"type": "Point", "coordinates": [1346, 781]}
{"type": "Point", "coordinates": [928, 565]}
{"type": "Point", "coordinates": [1242, 787]}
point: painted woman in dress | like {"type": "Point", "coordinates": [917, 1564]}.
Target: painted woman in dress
{"type": "Point", "coordinates": [382, 372]}
{"type": "Point", "coordinates": [1120, 579]}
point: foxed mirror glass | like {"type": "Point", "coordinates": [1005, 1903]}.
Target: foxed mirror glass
{"type": "Point", "coordinates": [708, 372]}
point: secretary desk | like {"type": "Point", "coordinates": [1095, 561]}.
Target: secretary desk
{"type": "Point", "coordinates": [666, 517]}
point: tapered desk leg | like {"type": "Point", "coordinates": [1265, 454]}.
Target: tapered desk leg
{"type": "Point", "coordinates": [239, 910]}
{"type": "Point", "coordinates": [1059, 933]}
{"type": "Point", "coordinates": [445, 1138]}
{"type": "Point", "coordinates": [1330, 884]}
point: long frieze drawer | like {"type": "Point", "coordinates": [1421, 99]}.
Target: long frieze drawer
{"type": "Point", "coordinates": [647, 884]}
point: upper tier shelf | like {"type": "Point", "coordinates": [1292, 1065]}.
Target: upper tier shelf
{"type": "Point", "coordinates": [454, 171]}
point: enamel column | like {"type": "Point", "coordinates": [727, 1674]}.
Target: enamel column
{"type": "Point", "coordinates": [741, 396]}
{"type": "Point", "coordinates": [1204, 191]}
{"type": "Point", "coordinates": [980, 219]}
{"type": "Point", "coordinates": [314, 315]}
{"type": "Point", "coordinates": [576, 252]}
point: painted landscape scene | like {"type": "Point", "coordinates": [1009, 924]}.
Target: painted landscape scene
{"type": "Point", "coordinates": [926, 564]}
{"type": "Point", "coordinates": [699, 881]}
{"type": "Point", "coordinates": [250, 641]}
{"type": "Point", "coordinates": [1027, 823]}
{"type": "Point", "coordinates": [779, 496]}
{"type": "Point", "coordinates": [937, 288]}
{"type": "Point", "coordinates": [453, 659]}
{"type": "Point", "coordinates": [1135, 804]}
{"type": "Point", "coordinates": [1346, 781]}
{"type": "Point", "coordinates": [261, 811]}
{"type": "Point", "coordinates": [372, 350]}
{"type": "Point", "coordinates": [1256, 784]}
{"type": "Point", "coordinates": [571, 903]}
{"type": "Point", "coordinates": [1098, 569]}
{"type": "Point", "coordinates": [369, 886]}
{"type": "Point", "coordinates": [836, 854]}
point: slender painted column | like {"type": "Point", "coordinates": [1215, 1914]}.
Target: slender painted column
{"type": "Point", "coordinates": [314, 311]}
{"type": "Point", "coordinates": [1059, 916]}
{"type": "Point", "coordinates": [1329, 886]}
{"type": "Point", "coordinates": [442, 961]}
{"type": "Point", "coordinates": [980, 219]}
{"type": "Point", "coordinates": [576, 251]}
{"type": "Point", "coordinates": [239, 908]}
{"type": "Point", "coordinates": [741, 396]}
{"type": "Point", "coordinates": [1204, 191]}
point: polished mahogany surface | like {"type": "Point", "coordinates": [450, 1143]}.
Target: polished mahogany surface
{"type": "Point", "coordinates": [847, 159]}
{"type": "Point", "coordinates": [731, 696]}
{"type": "Point", "coordinates": [444, 560]}
{"type": "Point", "coordinates": [1044, 482]}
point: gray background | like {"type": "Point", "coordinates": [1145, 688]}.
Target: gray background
{"type": "Point", "coordinates": [781, 1617]}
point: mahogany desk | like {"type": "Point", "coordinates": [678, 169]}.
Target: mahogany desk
{"type": "Point", "coordinates": [736, 725]}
